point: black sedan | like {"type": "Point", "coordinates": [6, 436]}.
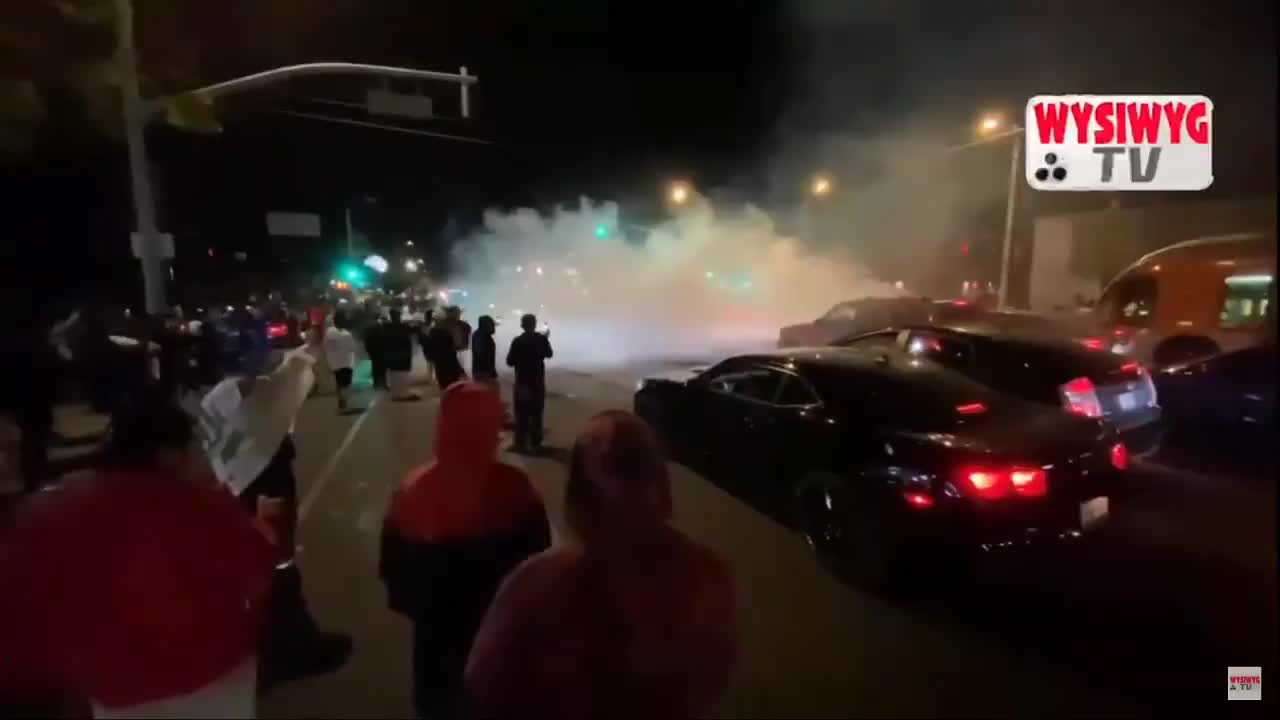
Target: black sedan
{"type": "Point", "coordinates": [885, 464]}
{"type": "Point", "coordinates": [1223, 407]}
{"type": "Point", "coordinates": [1064, 374]}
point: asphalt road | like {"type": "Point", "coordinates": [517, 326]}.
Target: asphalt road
{"type": "Point", "coordinates": [1146, 619]}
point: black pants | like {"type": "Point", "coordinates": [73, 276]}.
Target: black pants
{"type": "Point", "coordinates": [439, 661]}
{"type": "Point", "coordinates": [377, 367]}
{"type": "Point", "coordinates": [289, 624]}
{"type": "Point", "coordinates": [36, 424]}
{"type": "Point", "coordinates": [529, 401]}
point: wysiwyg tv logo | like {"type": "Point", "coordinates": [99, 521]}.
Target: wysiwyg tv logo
{"type": "Point", "coordinates": [1119, 142]}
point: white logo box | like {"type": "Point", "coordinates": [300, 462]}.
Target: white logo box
{"type": "Point", "coordinates": [1088, 143]}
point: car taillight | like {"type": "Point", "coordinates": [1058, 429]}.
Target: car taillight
{"type": "Point", "coordinates": [277, 330]}
{"type": "Point", "coordinates": [1080, 397]}
{"type": "Point", "coordinates": [999, 483]}
{"type": "Point", "coordinates": [1119, 456]}
{"type": "Point", "coordinates": [921, 500]}
{"type": "Point", "coordinates": [1093, 343]}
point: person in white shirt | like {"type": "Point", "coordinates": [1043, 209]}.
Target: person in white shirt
{"type": "Point", "coordinates": [340, 352]}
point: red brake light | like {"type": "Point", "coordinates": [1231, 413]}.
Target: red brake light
{"type": "Point", "coordinates": [277, 330]}
{"type": "Point", "coordinates": [1093, 343]}
{"type": "Point", "coordinates": [960, 303]}
{"type": "Point", "coordinates": [975, 408]}
{"type": "Point", "coordinates": [999, 483]}
{"type": "Point", "coordinates": [918, 499]}
{"type": "Point", "coordinates": [1131, 367]}
{"type": "Point", "coordinates": [1029, 483]}
{"type": "Point", "coordinates": [1119, 456]}
{"type": "Point", "coordinates": [1079, 397]}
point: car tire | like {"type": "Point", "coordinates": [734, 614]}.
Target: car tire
{"type": "Point", "coordinates": [1182, 348]}
{"type": "Point", "coordinates": [847, 535]}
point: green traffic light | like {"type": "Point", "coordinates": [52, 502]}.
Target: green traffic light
{"type": "Point", "coordinates": [602, 231]}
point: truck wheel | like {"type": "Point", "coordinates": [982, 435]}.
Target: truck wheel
{"type": "Point", "coordinates": [1182, 348]}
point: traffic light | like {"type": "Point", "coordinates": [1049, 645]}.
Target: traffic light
{"type": "Point", "coordinates": [602, 231]}
{"type": "Point", "coordinates": [352, 274]}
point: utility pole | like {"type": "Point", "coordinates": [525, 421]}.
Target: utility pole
{"type": "Point", "coordinates": [1002, 297]}
{"type": "Point", "coordinates": [148, 246]}
{"type": "Point", "coordinates": [351, 240]}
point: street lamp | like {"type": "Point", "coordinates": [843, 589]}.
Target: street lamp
{"type": "Point", "coordinates": [992, 128]}
{"type": "Point", "coordinates": [679, 193]}
{"type": "Point", "coordinates": [821, 186]}
{"type": "Point", "coordinates": [411, 266]}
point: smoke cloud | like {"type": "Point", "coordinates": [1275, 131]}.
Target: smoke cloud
{"type": "Point", "coordinates": [701, 284]}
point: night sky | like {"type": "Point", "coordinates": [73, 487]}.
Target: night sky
{"type": "Point", "coordinates": [609, 99]}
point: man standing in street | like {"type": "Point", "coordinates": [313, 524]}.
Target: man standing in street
{"type": "Point", "coordinates": [340, 352]}
{"type": "Point", "coordinates": [528, 354]}
{"type": "Point", "coordinates": [440, 345]}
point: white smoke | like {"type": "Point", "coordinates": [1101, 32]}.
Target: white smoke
{"type": "Point", "coordinates": [696, 286]}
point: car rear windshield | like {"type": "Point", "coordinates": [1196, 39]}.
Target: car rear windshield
{"type": "Point", "coordinates": [1058, 362]}
{"type": "Point", "coordinates": [925, 397]}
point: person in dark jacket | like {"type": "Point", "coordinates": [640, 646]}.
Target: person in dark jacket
{"type": "Point", "coordinates": [31, 389]}
{"type": "Point", "coordinates": [440, 346]}
{"type": "Point", "coordinates": [484, 351]}
{"type": "Point", "coordinates": [454, 529]}
{"type": "Point", "coordinates": [398, 337]}
{"type": "Point", "coordinates": [375, 348]}
{"type": "Point", "coordinates": [528, 355]}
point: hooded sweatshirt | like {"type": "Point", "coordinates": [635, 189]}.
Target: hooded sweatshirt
{"type": "Point", "coordinates": [135, 587]}
{"type": "Point", "coordinates": [458, 525]}
{"type": "Point", "coordinates": [634, 620]}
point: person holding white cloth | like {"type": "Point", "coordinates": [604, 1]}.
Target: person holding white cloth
{"type": "Point", "coordinates": [247, 422]}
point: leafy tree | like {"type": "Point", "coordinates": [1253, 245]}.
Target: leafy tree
{"type": "Point", "coordinates": [59, 75]}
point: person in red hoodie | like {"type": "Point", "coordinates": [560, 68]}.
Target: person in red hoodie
{"type": "Point", "coordinates": [454, 529]}
{"type": "Point", "coordinates": [631, 620]}
{"type": "Point", "coordinates": [137, 592]}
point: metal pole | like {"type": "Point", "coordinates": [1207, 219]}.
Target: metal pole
{"type": "Point", "coordinates": [466, 93]}
{"type": "Point", "coordinates": [150, 255]}
{"type": "Point", "coordinates": [1002, 298]}
{"type": "Point", "coordinates": [351, 241]}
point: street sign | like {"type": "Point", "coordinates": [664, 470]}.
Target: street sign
{"type": "Point", "coordinates": [290, 224]}
{"type": "Point", "coordinates": [166, 245]}
{"type": "Point", "coordinates": [385, 102]}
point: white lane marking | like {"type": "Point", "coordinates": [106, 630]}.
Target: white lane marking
{"type": "Point", "coordinates": [322, 478]}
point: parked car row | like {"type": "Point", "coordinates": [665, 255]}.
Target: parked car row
{"type": "Point", "coordinates": [911, 430]}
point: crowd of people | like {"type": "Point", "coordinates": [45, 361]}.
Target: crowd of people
{"type": "Point", "coordinates": [166, 585]}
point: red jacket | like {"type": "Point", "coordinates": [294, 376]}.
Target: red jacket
{"type": "Point", "coordinates": [131, 588]}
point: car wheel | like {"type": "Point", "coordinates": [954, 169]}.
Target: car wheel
{"type": "Point", "coordinates": [847, 535]}
{"type": "Point", "coordinates": [1183, 348]}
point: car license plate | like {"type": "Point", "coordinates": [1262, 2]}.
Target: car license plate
{"type": "Point", "coordinates": [1127, 401]}
{"type": "Point", "coordinates": [1093, 512]}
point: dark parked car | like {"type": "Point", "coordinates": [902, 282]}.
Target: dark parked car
{"type": "Point", "coordinates": [1224, 405]}
{"type": "Point", "coordinates": [1062, 373]}
{"type": "Point", "coordinates": [886, 464]}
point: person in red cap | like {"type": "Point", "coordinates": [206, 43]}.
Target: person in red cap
{"type": "Point", "coordinates": [138, 592]}
{"type": "Point", "coordinates": [631, 620]}
{"type": "Point", "coordinates": [454, 529]}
